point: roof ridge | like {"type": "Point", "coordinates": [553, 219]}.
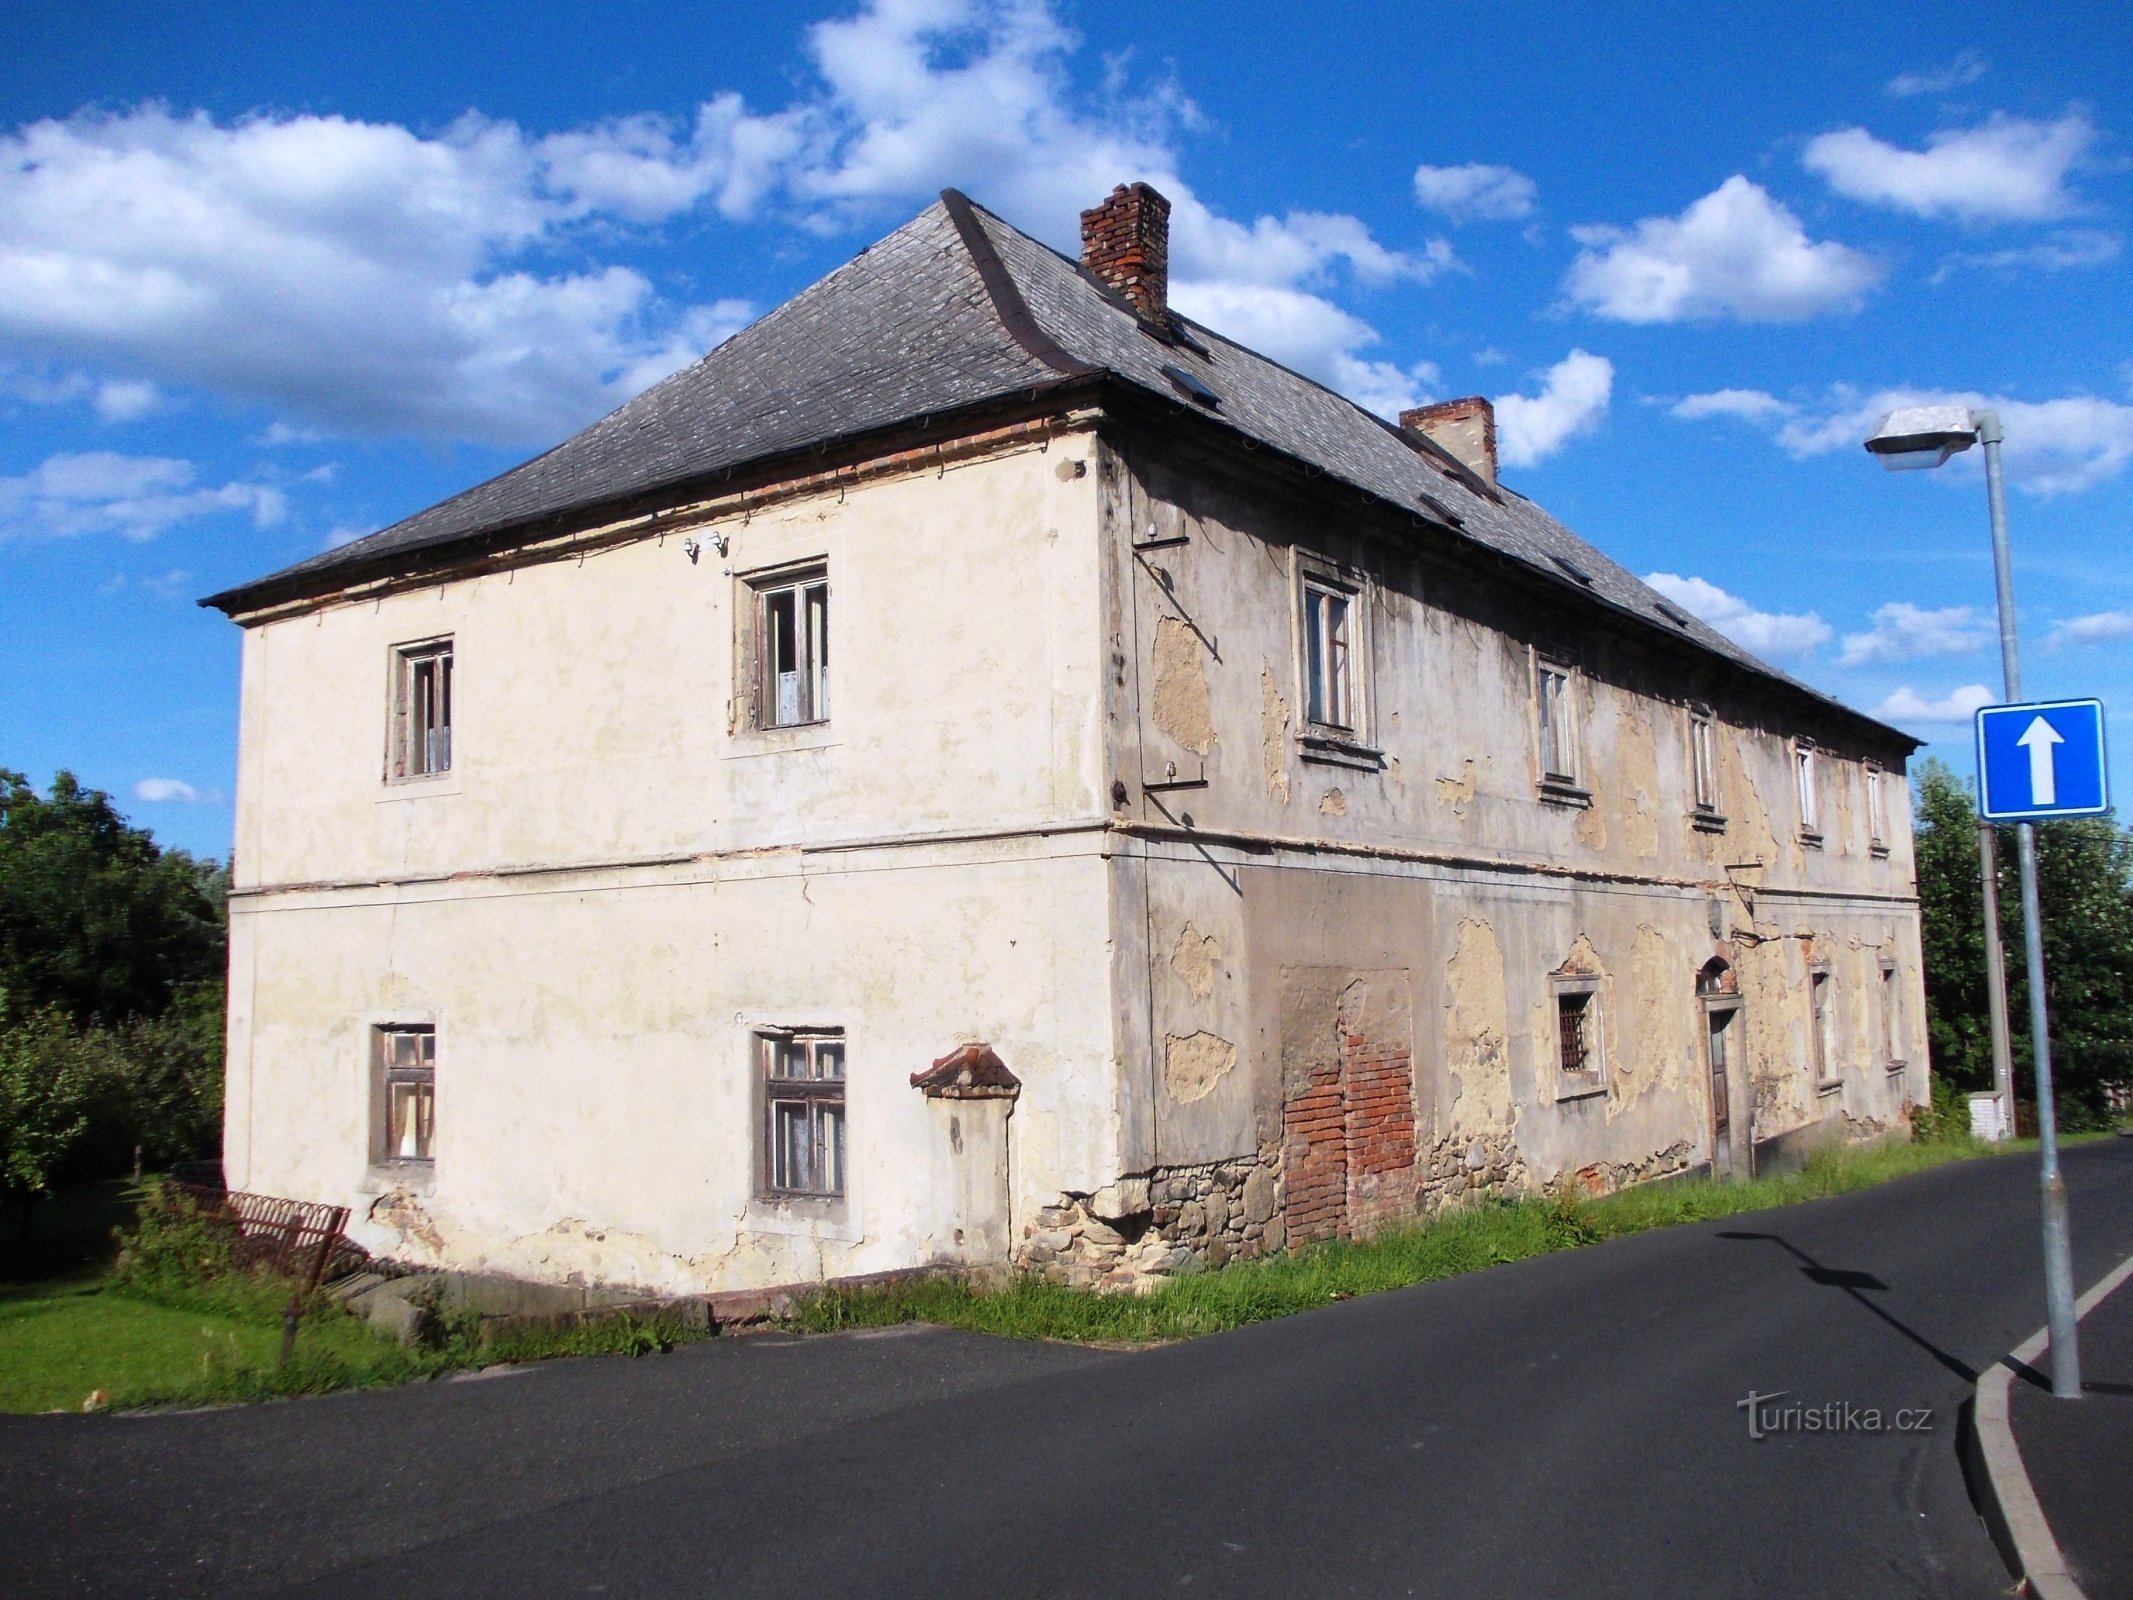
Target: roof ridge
{"type": "Point", "coordinates": [1013, 311]}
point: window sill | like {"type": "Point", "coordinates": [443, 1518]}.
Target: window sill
{"type": "Point", "coordinates": [1898, 1068]}
{"type": "Point", "coordinates": [1832, 1087]}
{"type": "Point", "coordinates": [420, 788]}
{"type": "Point", "coordinates": [1880, 852]}
{"type": "Point", "coordinates": [802, 1216]}
{"type": "Point", "coordinates": [418, 1178]}
{"type": "Point", "coordinates": [1707, 821]}
{"type": "Point", "coordinates": [1580, 1088]}
{"type": "Point", "coordinates": [1562, 792]}
{"type": "Point", "coordinates": [1332, 751]}
{"type": "Point", "coordinates": [776, 741]}
{"type": "Point", "coordinates": [1809, 839]}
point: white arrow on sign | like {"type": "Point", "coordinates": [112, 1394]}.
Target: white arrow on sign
{"type": "Point", "coordinates": [2038, 739]}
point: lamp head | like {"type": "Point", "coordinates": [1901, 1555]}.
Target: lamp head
{"type": "Point", "coordinates": [1914, 437]}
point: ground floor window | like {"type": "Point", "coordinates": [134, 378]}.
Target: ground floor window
{"type": "Point", "coordinates": [803, 1105]}
{"type": "Point", "coordinates": [406, 1094]}
{"type": "Point", "coordinates": [1578, 1044]}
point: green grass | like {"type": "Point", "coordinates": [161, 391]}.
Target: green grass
{"type": "Point", "coordinates": [1464, 1240]}
{"type": "Point", "coordinates": [71, 1326]}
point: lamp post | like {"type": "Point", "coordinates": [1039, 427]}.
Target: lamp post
{"type": "Point", "coordinates": [1926, 436]}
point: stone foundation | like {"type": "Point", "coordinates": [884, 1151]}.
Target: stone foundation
{"type": "Point", "coordinates": [1465, 1166]}
{"type": "Point", "coordinates": [1139, 1231]}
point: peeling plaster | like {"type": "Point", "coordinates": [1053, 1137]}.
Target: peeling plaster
{"type": "Point", "coordinates": [1273, 735]}
{"type": "Point", "coordinates": [1637, 775]}
{"type": "Point", "coordinates": [1196, 959]}
{"type": "Point", "coordinates": [1477, 1026]}
{"type": "Point", "coordinates": [1333, 804]}
{"type": "Point", "coordinates": [1592, 828]}
{"type": "Point", "coordinates": [1195, 1063]}
{"type": "Point", "coordinates": [1457, 792]}
{"type": "Point", "coordinates": [1182, 707]}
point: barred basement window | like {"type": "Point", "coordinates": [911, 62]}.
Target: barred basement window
{"type": "Point", "coordinates": [803, 1105]}
{"type": "Point", "coordinates": [421, 710]}
{"type": "Point", "coordinates": [1577, 1036]}
{"type": "Point", "coordinates": [792, 650]}
{"type": "Point", "coordinates": [406, 1095]}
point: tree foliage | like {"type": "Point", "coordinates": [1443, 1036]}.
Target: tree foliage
{"type": "Point", "coordinates": [111, 990]}
{"type": "Point", "coordinates": [2085, 888]}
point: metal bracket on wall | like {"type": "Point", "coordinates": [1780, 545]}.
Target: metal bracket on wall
{"type": "Point", "coordinates": [1175, 776]}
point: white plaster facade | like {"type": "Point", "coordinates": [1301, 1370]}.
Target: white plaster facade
{"type": "Point", "coordinates": [1259, 980]}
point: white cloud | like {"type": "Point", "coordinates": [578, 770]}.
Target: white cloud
{"type": "Point", "coordinates": [1967, 67]}
{"type": "Point", "coordinates": [1908, 708]}
{"type": "Point", "coordinates": [1734, 253]}
{"type": "Point", "coordinates": [2075, 248]}
{"type": "Point", "coordinates": [2053, 446]}
{"type": "Point", "coordinates": [136, 497]}
{"type": "Point", "coordinates": [1750, 405]}
{"type": "Point", "coordinates": [2098, 627]}
{"type": "Point", "coordinates": [174, 791]}
{"type": "Point", "coordinates": [2006, 169]}
{"type": "Point", "coordinates": [1903, 632]}
{"type": "Point", "coordinates": [1778, 635]}
{"type": "Point", "coordinates": [1573, 400]}
{"type": "Point", "coordinates": [363, 277]}
{"type": "Point", "coordinates": [1476, 192]}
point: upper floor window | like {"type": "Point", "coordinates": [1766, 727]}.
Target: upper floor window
{"type": "Point", "coordinates": [1703, 761]}
{"type": "Point", "coordinates": [1556, 686]}
{"type": "Point", "coordinates": [1807, 783]}
{"type": "Point", "coordinates": [1329, 655]}
{"type": "Point", "coordinates": [791, 648]}
{"type": "Point", "coordinates": [421, 710]}
{"type": "Point", "coordinates": [1877, 810]}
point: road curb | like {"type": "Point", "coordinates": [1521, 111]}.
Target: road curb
{"type": "Point", "coordinates": [2011, 1508]}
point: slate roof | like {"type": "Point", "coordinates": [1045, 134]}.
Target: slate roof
{"type": "Point", "coordinates": [954, 310]}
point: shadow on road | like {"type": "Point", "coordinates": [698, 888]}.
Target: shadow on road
{"type": "Point", "coordinates": [1856, 1285]}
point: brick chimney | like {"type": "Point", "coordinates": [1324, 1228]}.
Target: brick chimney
{"type": "Point", "coordinates": [1463, 429]}
{"type": "Point", "coordinates": [1126, 242]}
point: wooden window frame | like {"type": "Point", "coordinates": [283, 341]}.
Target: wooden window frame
{"type": "Point", "coordinates": [818, 1101]}
{"type": "Point", "coordinates": [1706, 793]}
{"type": "Point", "coordinates": [1823, 1056]}
{"type": "Point", "coordinates": [807, 585]}
{"type": "Point", "coordinates": [1877, 809]}
{"type": "Point", "coordinates": [420, 711]}
{"type": "Point", "coordinates": [1340, 731]}
{"type": "Point", "coordinates": [388, 1075]}
{"type": "Point", "coordinates": [1807, 790]}
{"type": "Point", "coordinates": [1558, 717]}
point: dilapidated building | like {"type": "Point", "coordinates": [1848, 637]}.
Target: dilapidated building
{"type": "Point", "coordinates": [981, 768]}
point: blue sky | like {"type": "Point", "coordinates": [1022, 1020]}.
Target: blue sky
{"type": "Point", "coordinates": [274, 276]}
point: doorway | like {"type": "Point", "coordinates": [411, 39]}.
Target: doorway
{"type": "Point", "coordinates": [1732, 1146]}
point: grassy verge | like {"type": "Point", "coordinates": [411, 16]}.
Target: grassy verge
{"type": "Point", "coordinates": [72, 1325]}
{"type": "Point", "coordinates": [1463, 1240]}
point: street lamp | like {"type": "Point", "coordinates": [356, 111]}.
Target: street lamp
{"type": "Point", "coordinates": [1925, 436]}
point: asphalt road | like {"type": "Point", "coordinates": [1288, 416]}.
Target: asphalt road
{"type": "Point", "coordinates": [1564, 1426]}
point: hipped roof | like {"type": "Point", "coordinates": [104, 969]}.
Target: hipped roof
{"type": "Point", "coordinates": [952, 312]}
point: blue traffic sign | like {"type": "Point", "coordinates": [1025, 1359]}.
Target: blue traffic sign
{"type": "Point", "coordinates": [2041, 760]}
